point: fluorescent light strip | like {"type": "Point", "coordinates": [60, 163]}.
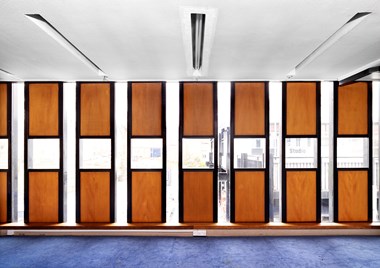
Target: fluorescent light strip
{"type": "Point", "coordinates": [342, 31]}
{"type": "Point", "coordinates": [9, 74]}
{"type": "Point", "coordinates": [197, 29]}
{"type": "Point", "coordinates": [208, 38]}
{"type": "Point", "coordinates": [64, 42]}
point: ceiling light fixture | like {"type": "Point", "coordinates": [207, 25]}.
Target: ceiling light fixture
{"type": "Point", "coordinates": [370, 74]}
{"type": "Point", "coordinates": [198, 37]}
{"type": "Point", "coordinates": [342, 31]}
{"type": "Point", "coordinates": [197, 33]}
{"type": "Point", "coordinates": [3, 72]}
{"type": "Point", "coordinates": [63, 41]}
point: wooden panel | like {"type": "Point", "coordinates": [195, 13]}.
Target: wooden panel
{"type": "Point", "coordinates": [43, 110]}
{"type": "Point", "coordinates": [249, 196]}
{"type": "Point", "coordinates": [353, 109]}
{"type": "Point", "coordinates": [146, 197]}
{"type": "Point", "coordinates": [95, 109]}
{"type": "Point", "coordinates": [301, 109]}
{"type": "Point", "coordinates": [43, 196]}
{"type": "Point", "coordinates": [301, 196]}
{"type": "Point", "coordinates": [198, 109]}
{"type": "Point", "coordinates": [250, 109]}
{"type": "Point", "coordinates": [95, 196]}
{"type": "Point", "coordinates": [146, 109]}
{"type": "Point", "coordinates": [198, 196]}
{"type": "Point", "coordinates": [352, 195]}
{"type": "Point", "coordinates": [3, 109]}
{"type": "Point", "coordinates": [3, 196]}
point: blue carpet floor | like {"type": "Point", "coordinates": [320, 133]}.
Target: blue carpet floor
{"type": "Point", "coordinates": [189, 252]}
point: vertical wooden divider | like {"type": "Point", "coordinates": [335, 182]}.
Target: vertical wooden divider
{"type": "Point", "coordinates": [353, 119]}
{"type": "Point", "coordinates": [146, 121]}
{"type": "Point", "coordinates": [5, 134]}
{"type": "Point", "coordinates": [198, 120]}
{"type": "Point", "coordinates": [301, 119]}
{"type": "Point", "coordinates": [95, 187]}
{"type": "Point", "coordinates": [250, 120]}
{"type": "Point", "coordinates": [43, 194]}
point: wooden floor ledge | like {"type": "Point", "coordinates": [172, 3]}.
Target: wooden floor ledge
{"type": "Point", "coordinates": [216, 226]}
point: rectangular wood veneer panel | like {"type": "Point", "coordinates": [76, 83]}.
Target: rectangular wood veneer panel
{"type": "Point", "coordinates": [198, 109]}
{"type": "Point", "coordinates": [301, 196]}
{"type": "Point", "coordinates": [43, 196]}
{"type": "Point", "coordinates": [353, 109]}
{"type": "Point", "coordinates": [146, 109]}
{"type": "Point", "coordinates": [301, 109]}
{"type": "Point", "coordinates": [250, 109]}
{"type": "Point", "coordinates": [95, 109]}
{"type": "Point", "coordinates": [3, 109]}
{"type": "Point", "coordinates": [95, 196]}
{"type": "Point", "coordinates": [44, 109]}
{"type": "Point", "coordinates": [249, 196]}
{"type": "Point", "coordinates": [352, 196]}
{"type": "Point", "coordinates": [198, 196]}
{"type": "Point", "coordinates": [3, 196]}
{"type": "Point", "coordinates": [146, 196]}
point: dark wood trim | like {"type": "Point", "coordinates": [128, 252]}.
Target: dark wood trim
{"type": "Point", "coordinates": [283, 155]}
{"type": "Point", "coordinates": [9, 137]}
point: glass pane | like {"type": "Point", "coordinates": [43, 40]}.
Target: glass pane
{"type": "Point", "coordinates": [249, 153]}
{"type": "Point", "coordinates": [198, 153]}
{"type": "Point", "coordinates": [146, 153]}
{"type": "Point", "coordinates": [301, 153]}
{"type": "Point", "coordinates": [95, 153]}
{"type": "Point", "coordinates": [43, 153]}
{"type": "Point", "coordinates": [3, 154]}
{"type": "Point", "coordinates": [352, 152]}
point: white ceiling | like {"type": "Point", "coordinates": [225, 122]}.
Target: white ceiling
{"type": "Point", "coordinates": [143, 39]}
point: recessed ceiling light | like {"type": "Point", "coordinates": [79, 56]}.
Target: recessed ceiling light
{"type": "Point", "coordinates": [198, 30]}
{"type": "Point", "coordinates": [64, 42]}
{"type": "Point", "coordinates": [342, 31]}
{"type": "Point", "coordinates": [12, 76]}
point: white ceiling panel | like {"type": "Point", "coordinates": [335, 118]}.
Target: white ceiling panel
{"type": "Point", "coordinates": [143, 39]}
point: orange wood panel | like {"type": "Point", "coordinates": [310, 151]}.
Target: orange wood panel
{"type": "Point", "coordinates": [95, 109]}
{"type": "Point", "coordinates": [95, 196]}
{"type": "Point", "coordinates": [352, 195]}
{"type": "Point", "coordinates": [146, 197]}
{"type": "Point", "coordinates": [198, 196]}
{"type": "Point", "coordinates": [3, 109]}
{"type": "Point", "coordinates": [44, 109]}
{"type": "Point", "coordinates": [250, 109]}
{"type": "Point", "coordinates": [43, 196]}
{"type": "Point", "coordinates": [353, 109]}
{"type": "Point", "coordinates": [301, 196]}
{"type": "Point", "coordinates": [198, 109]}
{"type": "Point", "coordinates": [146, 109]}
{"type": "Point", "coordinates": [3, 196]}
{"type": "Point", "coordinates": [249, 196]}
{"type": "Point", "coordinates": [301, 109]}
